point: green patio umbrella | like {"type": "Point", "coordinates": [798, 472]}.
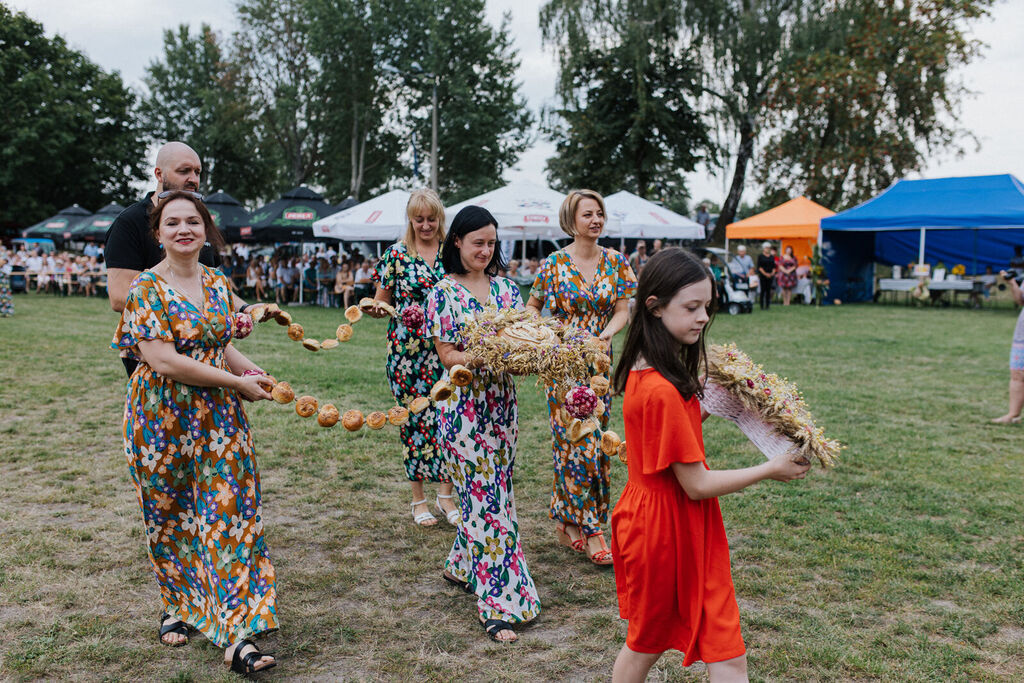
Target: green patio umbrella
{"type": "Point", "coordinates": [58, 227]}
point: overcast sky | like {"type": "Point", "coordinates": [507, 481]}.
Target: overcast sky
{"type": "Point", "coordinates": [125, 35]}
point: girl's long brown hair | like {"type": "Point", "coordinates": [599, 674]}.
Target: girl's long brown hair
{"type": "Point", "coordinates": [683, 365]}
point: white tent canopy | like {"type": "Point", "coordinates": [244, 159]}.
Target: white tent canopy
{"type": "Point", "coordinates": [381, 218]}
{"type": "Point", "coordinates": [630, 216]}
{"type": "Point", "coordinates": [521, 209]}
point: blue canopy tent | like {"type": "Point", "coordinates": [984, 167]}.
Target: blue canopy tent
{"type": "Point", "coordinates": [975, 221]}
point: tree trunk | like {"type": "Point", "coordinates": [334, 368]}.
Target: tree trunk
{"type": "Point", "coordinates": [354, 175]}
{"type": "Point", "coordinates": [739, 174]}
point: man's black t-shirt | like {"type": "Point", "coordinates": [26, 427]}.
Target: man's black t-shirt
{"type": "Point", "coordinates": [130, 244]}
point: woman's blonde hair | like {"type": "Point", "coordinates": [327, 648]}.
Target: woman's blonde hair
{"type": "Point", "coordinates": [421, 200]}
{"type": "Point", "coordinates": [567, 214]}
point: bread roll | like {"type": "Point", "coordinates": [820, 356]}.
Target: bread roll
{"type": "Point", "coordinates": [328, 343]}
{"type": "Point", "coordinates": [344, 332]}
{"type": "Point", "coordinates": [367, 304]}
{"type": "Point", "coordinates": [419, 404]}
{"type": "Point", "coordinates": [610, 443]}
{"type": "Point", "coordinates": [352, 420]}
{"type": "Point", "coordinates": [599, 385]}
{"type": "Point", "coordinates": [305, 406]}
{"type": "Point", "coordinates": [622, 451]}
{"type": "Point", "coordinates": [282, 392]}
{"type": "Point", "coordinates": [376, 420]}
{"type": "Point", "coordinates": [295, 332]}
{"type": "Point", "coordinates": [441, 391]}
{"type": "Point", "coordinates": [311, 344]}
{"type": "Point", "coordinates": [258, 313]}
{"type": "Point", "coordinates": [460, 375]}
{"type": "Point", "coordinates": [580, 429]}
{"type": "Point", "coordinates": [283, 318]}
{"type": "Point", "coordinates": [386, 308]}
{"type": "Point", "coordinates": [602, 363]}
{"type": "Point", "coordinates": [398, 416]}
{"type": "Point", "coordinates": [353, 314]}
{"type": "Point", "coordinates": [270, 311]}
{"type": "Point", "coordinates": [328, 416]}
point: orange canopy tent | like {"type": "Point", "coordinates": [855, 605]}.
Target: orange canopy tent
{"type": "Point", "coordinates": [795, 223]}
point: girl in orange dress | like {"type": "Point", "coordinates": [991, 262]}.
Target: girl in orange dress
{"type": "Point", "coordinates": [668, 542]}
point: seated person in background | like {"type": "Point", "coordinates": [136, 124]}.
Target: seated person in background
{"type": "Point", "coordinates": [344, 285]}
{"type": "Point", "coordinates": [364, 279]}
{"type": "Point", "coordinates": [988, 280]}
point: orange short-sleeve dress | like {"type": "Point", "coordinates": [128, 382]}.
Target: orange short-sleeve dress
{"type": "Point", "coordinates": [671, 555]}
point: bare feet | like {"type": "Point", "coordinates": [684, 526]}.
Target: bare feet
{"type": "Point", "coordinates": [1006, 419]}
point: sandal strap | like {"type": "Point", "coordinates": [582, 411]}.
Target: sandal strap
{"type": "Point", "coordinates": [246, 664]}
{"type": "Point", "coordinates": [177, 626]}
{"type": "Point", "coordinates": [441, 495]}
{"type": "Point", "coordinates": [495, 626]}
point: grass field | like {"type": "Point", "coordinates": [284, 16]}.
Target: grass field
{"type": "Point", "coordinates": [904, 563]}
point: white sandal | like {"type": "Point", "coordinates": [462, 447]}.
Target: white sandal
{"type": "Point", "coordinates": [424, 518]}
{"type": "Point", "coordinates": [451, 515]}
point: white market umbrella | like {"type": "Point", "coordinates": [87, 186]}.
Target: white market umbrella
{"type": "Point", "coordinates": [381, 218]}
{"type": "Point", "coordinates": [631, 216]}
{"type": "Point", "coordinates": [522, 209]}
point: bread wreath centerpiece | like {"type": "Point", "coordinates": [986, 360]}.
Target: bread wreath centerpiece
{"type": "Point", "coordinates": [520, 342]}
{"type": "Point", "coordinates": [261, 313]}
{"type": "Point", "coordinates": [768, 409]}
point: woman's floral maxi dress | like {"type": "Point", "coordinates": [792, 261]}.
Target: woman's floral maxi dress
{"type": "Point", "coordinates": [580, 492]}
{"type": "Point", "coordinates": [412, 365]}
{"type": "Point", "coordinates": [190, 455]}
{"type": "Point", "coordinates": [479, 427]}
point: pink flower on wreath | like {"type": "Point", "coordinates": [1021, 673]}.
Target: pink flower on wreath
{"type": "Point", "coordinates": [750, 383]}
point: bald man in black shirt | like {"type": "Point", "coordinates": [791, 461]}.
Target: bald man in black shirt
{"type": "Point", "coordinates": [130, 245]}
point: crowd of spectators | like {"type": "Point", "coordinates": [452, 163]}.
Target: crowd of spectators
{"type": "Point", "coordinates": [59, 272]}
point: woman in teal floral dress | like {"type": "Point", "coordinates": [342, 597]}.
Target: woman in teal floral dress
{"type": "Point", "coordinates": [189, 449]}
{"type": "Point", "coordinates": [479, 429]}
{"type": "Point", "coordinates": [404, 276]}
{"type": "Point", "coordinates": [587, 286]}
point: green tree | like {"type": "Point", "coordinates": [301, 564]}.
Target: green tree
{"type": "Point", "coordinates": [626, 84]}
{"type": "Point", "coordinates": [484, 123]}
{"type": "Point", "coordinates": [273, 48]}
{"type": "Point", "coordinates": [198, 95]}
{"type": "Point", "coordinates": [68, 130]}
{"type": "Point", "coordinates": [743, 45]}
{"type": "Point", "coordinates": [865, 97]}
{"type": "Point", "coordinates": [360, 151]}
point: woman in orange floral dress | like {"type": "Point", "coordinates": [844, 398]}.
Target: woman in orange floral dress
{"type": "Point", "coordinates": [187, 440]}
{"type": "Point", "coordinates": [589, 286]}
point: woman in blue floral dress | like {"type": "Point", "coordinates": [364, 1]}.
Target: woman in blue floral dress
{"type": "Point", "coordinates": [188, 445]}
{"type": "Point", "coordinates": [587, 286]}
{"type": "Point", "coordinates": [404, 276]}
{"type": "Point", "coordinates": [479, 429]}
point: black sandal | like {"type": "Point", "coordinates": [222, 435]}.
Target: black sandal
{"type": "Point", "coordinates": [495, 626]}
{"type": "Point", "coordinates": [246, 664]}
{"type": "Point", "coordinates": [464, 585]}
{"type": "Point", "coordinates": [178, 627]}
